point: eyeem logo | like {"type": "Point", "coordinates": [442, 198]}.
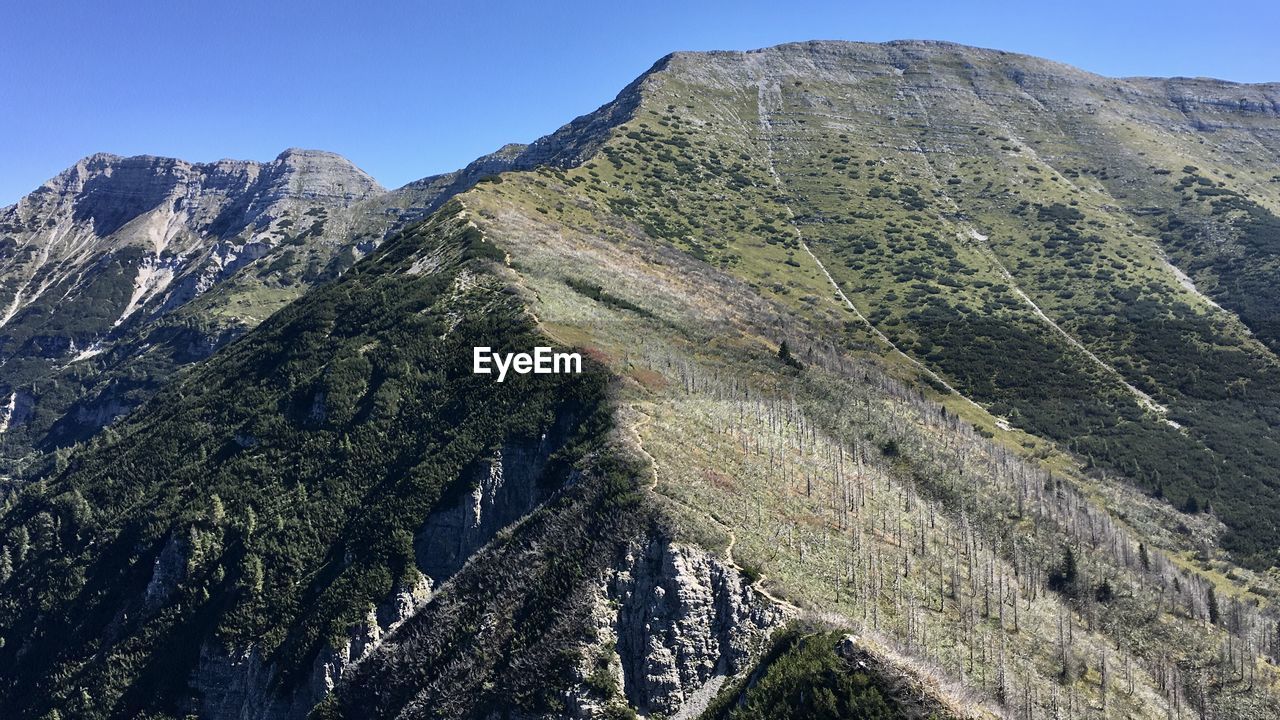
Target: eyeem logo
{"type": "Point", "coordinates": [540, 362]}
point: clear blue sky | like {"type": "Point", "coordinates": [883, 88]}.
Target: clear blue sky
{"type": "Point", "coordinates": [414, 88]}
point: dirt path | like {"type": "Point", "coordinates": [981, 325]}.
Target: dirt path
{"type": "Point", "coordinates": [636, 428]}
{"type": "Point", "coordinates": [1145, 400]}
{"type": "Point", "coordinates": [643, 421]}
{"type": "Point", "coordinates": [766, 130]}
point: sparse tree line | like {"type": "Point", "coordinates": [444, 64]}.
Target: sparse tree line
{"type": "Point", "coordinates": [965, 555]}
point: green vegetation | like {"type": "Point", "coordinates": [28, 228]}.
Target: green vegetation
{"type": "Point", "coordinates": [905, 247]}
{"type": "Point", "coordinates": [289, 472]}
{"type": "Point", "coordinates": [784, 354]}
{"type": "Point", "coordinates": [597, 293]}
{"type": "Point", "coordinates": [1053, 548]}
{"type": "Point", "coordinates": [948, 271]}
{"type": "Point", "coordinates": [804, 677]}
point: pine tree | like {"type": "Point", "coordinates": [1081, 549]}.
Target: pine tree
{"type": "Point", "coordinates": [784, 354]}
{"type": "Point", "coordinates": [1063, 578]}
{"type": "Point", "coordinates": [1191, 506]}
{"type": "Point", "coordinates": [1104, 593]}
{"type": "Point", "coordinates": [217, 511]}
{"type": "Point", "coordinates": [21, 542]}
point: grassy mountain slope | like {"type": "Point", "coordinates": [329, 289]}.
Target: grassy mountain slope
{"type": "Point", "coordinates": [689, 306]}
{"type": "Point", "coordinates": [945, 191]}
{"type": "Point", "coordinates": [820, 481]}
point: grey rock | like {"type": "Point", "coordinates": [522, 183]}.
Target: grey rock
{"type": "Point", "coordinates": [681, 619]}
{"type": "Point", "coordinates": [167, 571]}
{"type": "Point", "coordinates": [241, 684]}
{"type": "Point", "coordinates": [502, 490]}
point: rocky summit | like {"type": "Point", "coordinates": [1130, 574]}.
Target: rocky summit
{"type": "Point", "coordinates": [100, 257]}
{"type": "Point", "coordinates": [919, 381]}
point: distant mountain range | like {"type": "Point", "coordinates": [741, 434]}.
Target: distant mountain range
{"type": "Point", "coordinates": [153, 263]}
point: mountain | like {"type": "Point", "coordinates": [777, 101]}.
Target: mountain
{"type": "Point", "coordinates": [1086, 258]}
{"type": "Point", "coordinates": [894, 358]}
{"type": "Point", "coordinates": [108, 268]}
{"type": "Point", "coordinates": [122, 271]}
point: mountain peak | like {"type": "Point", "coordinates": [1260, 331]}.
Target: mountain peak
{"type": "Point", "coordinates": [300, 152]}
{"type": "Point", "coordinates": [320, 172]}
{"type": "Point", "coordinates": [296, 172]}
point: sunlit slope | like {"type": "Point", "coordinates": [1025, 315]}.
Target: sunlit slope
{"type": "Point", "coordinates": [1013, 225]}
{"type": "Point", "coordinates": [867, 507]}
{"type": "Point", "coordinates": [948, 463]}
{"type": "Point", "coordinates": [723, 218]}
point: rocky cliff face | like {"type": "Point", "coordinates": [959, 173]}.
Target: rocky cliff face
{"type": "Point", "coordinates": [241, 684]}
{"type": "Point", "coordinates": [181, 218]}
{"type": "Point", "coordinates": [684, 619]}
{"type": "Point", "coordinates": [672, 622]}
{"type": "Point", "coordinates": [502, 490]}
{"type": "Point", "coordinates": [107, 192]}
{"type": "Point", "coordinates": [668, 623]}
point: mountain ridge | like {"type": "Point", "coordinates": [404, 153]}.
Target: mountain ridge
{"type": "Point", "coordinates": [784, 268]}
{"type": "Point", "coordinates": [256, 239]}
